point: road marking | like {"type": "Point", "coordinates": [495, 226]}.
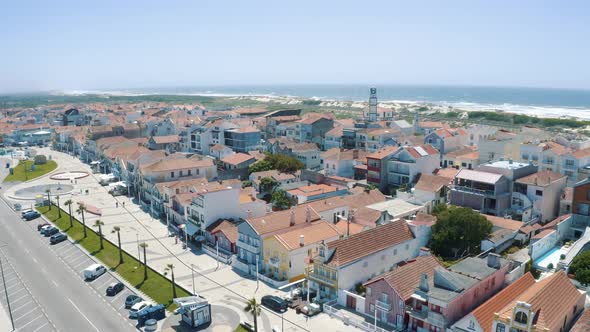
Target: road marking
{"type": "Point", "coordinates": [81, 313]}
{"type": "Point", "coordinates": [22, 305]}
{"type": "Point", "coordinates": [34, 319]}
{"type": "Point", "coordinates": [35, 260]}
{"type": "Point", "coordinates": [15, 291]}
{"type": "Point", "coordinates": [55, 283]}
{"type": "Point", "coordinates": [106, 282]}
{"type": "Point", "coordinates": [116, 297]}
{"type": "Point", "coordinates": [18, 299]}
{"type": "Point", "coordinates": [40, 327]}
{"type": "Point", "coordinates": [26, 313]}
{"type": "Point", "coordinates": [76, 259]}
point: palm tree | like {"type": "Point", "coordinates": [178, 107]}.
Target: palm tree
{"type": "Point", "coordinates": [80, 210]}
{"type": "Point", "coordinates": [99, 224]}
{"type": "Point", "coordinates": [69, 203]}
{"type": "Point", "coordinates": [144, 246]}
{"type": "Point", "coordinates": [58, 208]}
{"type": "Point", "coordinates": [118, 230]}
{"type": "Point", "coordinates": [170, 267]}
{"type": "Point", "coordinates": [48, 192]}
{"type": "Point", "coordinates": [253, 307]}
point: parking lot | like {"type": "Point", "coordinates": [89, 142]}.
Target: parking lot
{"type": "Point", "coordinates": [77, 260]}
{"type": "Point", "coordinates": [27, 314]}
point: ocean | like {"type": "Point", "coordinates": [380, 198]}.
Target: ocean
{"type": "Point", "coordinates": [531, 101]}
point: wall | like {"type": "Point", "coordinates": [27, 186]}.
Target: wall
{"type": "Point", "coordinates": [377, 288]}
{"type": "Point", "coordinates": [541, 246]}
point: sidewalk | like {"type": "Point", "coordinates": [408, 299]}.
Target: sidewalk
{"type": "Point", "coordinates": [5, 324]}
{"type": "Point", "coordinates": [138, 226]}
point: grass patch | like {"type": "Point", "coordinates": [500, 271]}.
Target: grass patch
{"type": "Point", "coordinates": [240, 328]}
{"type": "Point", "coordinates": [156, 286]}
{"type": "Point", "coordinates": [19, 173]}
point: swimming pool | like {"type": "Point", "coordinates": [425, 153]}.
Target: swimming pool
{"type": "Point", "coordinates": [551, 257]}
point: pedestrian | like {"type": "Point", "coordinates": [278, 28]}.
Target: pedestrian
{"type": "Point", "coordinates": [123, 204]}
{"type": "Point", "coordinates": [76, 181]}
{"type": "Point", "coordinates": [117, 204]}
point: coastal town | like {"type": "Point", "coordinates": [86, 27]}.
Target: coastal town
{"type": "Point", "coordinates": [379, 222]}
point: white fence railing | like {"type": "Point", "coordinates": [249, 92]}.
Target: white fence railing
{"type": "Point", "coordinates": [346, 319]}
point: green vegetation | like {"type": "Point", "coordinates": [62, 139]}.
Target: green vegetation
{"type": "Point", "coordinates": [580, 267]}
{"type": "Point", "coordinates": [240, 328]}
{"type": "Point", "coordinates": [458, 231]}
{"type": "Point", "coordinates": [529, 268]}
{"type": "Point", "coordinates": [155, 286]}
{"type": "Point", "coordinates": [279, 200]}
{"type": "Point", "coordinates": [520, 119]}
{"type": "Point", "coordinates": [281, 162]}
{"type": "Point", "coordinates": [23, 172]}
{"type": "Point", "coordinates": [254, 308]}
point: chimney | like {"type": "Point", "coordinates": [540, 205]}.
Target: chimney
{"type": "Point", "coordinates": [301, 240]}
{"type": "Point", "coordinates": [494, 260]}
{"type": "Point", "coordinates": [424, 252]}
{"type": "Point", "coordinates": [423, 286]}
{"type": "Point", "coordinates": [292, 218]}
{"type": "Point", "coordinates": [307, 214]}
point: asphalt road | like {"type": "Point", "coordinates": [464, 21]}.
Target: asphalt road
{"type": "Point", "coordinates": [59, 295]}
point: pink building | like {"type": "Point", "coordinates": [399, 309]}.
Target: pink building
{"type": "Point", "coordinates": [452, 293]}
{"type": "Point", "coordinates": [390, 292]}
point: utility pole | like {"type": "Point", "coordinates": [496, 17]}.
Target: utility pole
{"type": "Point", "coordinates": [6, 293]}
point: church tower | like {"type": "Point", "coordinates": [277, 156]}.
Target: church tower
{"type": "Point", "coordinates": [373, 105]}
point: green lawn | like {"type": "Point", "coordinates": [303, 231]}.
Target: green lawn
{"type": "Point", "coordinates": [240, 328]}
{"type": "Point", "coordinates": [19, 173]}
{"type": "Point", "coordinates": [156, 286]}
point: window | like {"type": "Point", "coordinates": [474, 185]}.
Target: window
{"type": "Point", "coordinates": [372, 308]}
{"type": "Point", "coordinates": [171, 174]}
{"type": "Point", "coordinates": [407, 246]}
{"type": "Point", "coordinates": [583, 209]}
{"type": "Point", "coordinates": [568, 173]}
{"type": "Point", "coordinates": [190, 171]}
{"type": "Point", "coordinates": [525, 157]}
{"type": "Point", "coordinates": [521, 317]}
{"type": "Point", "coordinates": [500, 328]}
{"type": "Point", "coordinates": [539, 192]}
{"type": "Point", "coordinates": [471, 325]}
{"type": "Point", "coordinates": [569, 162]}
{"type": "Point", "coordinates": [365, 264]}
{"type": "Point", "coordinates": [588, 194]}
{"type": "Point", "coordinates": [197, 171]}
{"type": "Point", "coordinates": [180, 174]}
{"type": "Point", "coordinates": [395, 251]}
{"type": "Point", "coordinates": [368, 291]}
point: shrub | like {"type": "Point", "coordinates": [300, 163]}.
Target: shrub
{"type": "Point", "coordinates": [40, 159]}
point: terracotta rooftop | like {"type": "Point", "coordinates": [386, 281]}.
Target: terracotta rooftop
{"type": "Point", "coordinates": [312, 190]}
{"type": "Point", "coordinates": [423, 219]}
{"type": "Point", "coordinates": [384, 152]}
{"type": "Point", "coordinates": [178, 164]}
{"type": "Point", "coordinates": [228, 228]}
{"type": "Point", "coordinates": [504, 223]}
{"type": "Point", "coordinates": [281, 220]}
{"type": "Point", "coordinates": [583, 323]}
{"type": "Point", "coordinates": [431, 183]}
{"type": "Point", "coordinates": [312, 233]}
{"type": "Point", "coordinates": [237, 158]}
{"type": "Point", "coordinates": [421, 150]}
{"type": "Point", "coordinates": [166, 139]}
{"type": "Point", "coordinates": [485, 312]}
{"type": "Point", "coordinates": [541, 178]}
{"type": "Point", "coordinates": [551, 298]}
{"type": "Point", "coordinates": [368, 242]}
{"type": "Point", "coordinates": [404, 279]}
{"type": "Point", "coordinates": [449, 173]}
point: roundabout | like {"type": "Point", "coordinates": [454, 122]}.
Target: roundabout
{"type": "Point", "coordinates": [29, 193]}
{"type": "Point", "coordinates": [72, 175]}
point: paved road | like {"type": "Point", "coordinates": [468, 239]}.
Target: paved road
{"type": "Point", "coordinates": [56, 294]}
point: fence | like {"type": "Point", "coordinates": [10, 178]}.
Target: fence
{"type": "Point", "coordinates": [340, 314]}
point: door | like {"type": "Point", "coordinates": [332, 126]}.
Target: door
{"type": "Point", "coordinates": [400, 322]}
{"type": "Point", "coordinates": [351, 302]}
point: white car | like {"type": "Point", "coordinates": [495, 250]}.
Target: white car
{"type": "Point", "coordinates": [293, 294]}
{"type": "Point", "coordinates": [136, 308]}
{"type": "Point", "coordinates": [311, 309]}
{"type": "Point", "coordinates": [94, 271]}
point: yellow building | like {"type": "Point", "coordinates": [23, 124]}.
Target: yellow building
{"type": "Point", "coordinates": [285, 253]}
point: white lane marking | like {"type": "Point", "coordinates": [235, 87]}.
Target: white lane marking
{"type": "Point", "coordinates": [18, 299]}
{"type": "Point", "coordinates": [118, 295]}
{"type": "Point", "coordinates": [40, 327]}
{"type": "Point", "coordinates": [26, 313]}
{"type": "Point", "coordinates": [32, 320]}
{"type": "Point", "coordinates": [104, 283]}
{"type": "Point", "coordinates": [81, 313]}
{"type": "Point", "coordinates": [35, 260]}
{"type": "Point", "coordinates": [55, 283]}
{"type": "Point", "coordinates": [22, 305]}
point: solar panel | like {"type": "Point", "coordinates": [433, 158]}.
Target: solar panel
{"type": "Point", "coordinates": [420, 151]}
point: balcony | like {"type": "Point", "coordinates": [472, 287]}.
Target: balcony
{"type": "Point", "coordinates": [383, 305]}
{"type": "Point", "coordinates": [312, 275]}
{"type": "Point", "coordinates": [436, 318]}
{"type": "Point", "coordinates": [473, 190]}
{"type": "Point", "coordinates": [400, 171]}
{"type": "Point", "coordinates": [248, 247]}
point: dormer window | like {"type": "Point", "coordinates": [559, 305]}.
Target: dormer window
{"type": "Point", "coordinates": [322, 252]}
{"type": "Point", "coordinates": [521, 318]}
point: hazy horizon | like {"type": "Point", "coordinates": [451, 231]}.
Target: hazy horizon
{"type": "Point", "coordinates": [67, 45]}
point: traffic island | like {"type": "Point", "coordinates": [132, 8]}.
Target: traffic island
{"type": "Point", "coordinates": [156, 286]}
{"type": "Point", "coordinates": [25, 172]}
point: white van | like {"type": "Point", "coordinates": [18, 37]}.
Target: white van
{"type": "Point", "coordinates": [94, 271]}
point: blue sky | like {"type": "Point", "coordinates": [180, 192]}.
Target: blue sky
{"type": "Point", "coordinates": [54, 45]}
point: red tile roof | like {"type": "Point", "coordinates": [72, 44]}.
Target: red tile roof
{"type": "Point", "coordinates": [237, 158]}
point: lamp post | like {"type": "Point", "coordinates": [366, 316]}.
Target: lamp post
{"type": "Point", "coordinates": [193, 276]}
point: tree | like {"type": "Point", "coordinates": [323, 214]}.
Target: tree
{"type": "Point", "coordinates": [580, 267]}
{"type": "Point", "coordinates": [58, 208]}
{"type": "Point", "coordinates": [81, 209]}
{"type": "Point", "coordinates": [260, 166]}
{"type": "Point", "coordinates": [268, 184]}
{"type": "Point", "coordinates": [99, 224]}
{"type": "Point", "coordinates": [246, 184]}
{"type": "Point", "coordinates": [48, 192]}
{"type": "Point", "coordinates": [40, 159]}
{"type": "Point", "coordinates": [144, 246]}
{"type": "Point", "coordinates": [281, 162]}
{"type": "Point", "coordinates": [253, 308]}
{"type": "Point", "coordinates": [170, 267]}
{"type": "Point", "coordinates": [458, 231]}
{"type": "Point", "coordinates": [69, 203]}
{"type": "Point", "coordinates": [118, 230]}
{"type": "Point", "coordinates": [280, 200]}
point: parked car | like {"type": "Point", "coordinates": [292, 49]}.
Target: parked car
{"type": "Point", "coordinates": [115, 288]}
{"type": "Point", "coordinates": [131, 300]}
{"type": "Point", "coordinates": [32, 215]}
{"type": "Point", "coordinates": [274, 303]}
{"type": "Point", "coordinates": [57, 238]}
{"type": "Point", "coordinates": [40, 226]}
{"type": "Point", "coordinates": [136, 308]}
{"type": "Point", "coordinates": [156, 312]}
{"type": "Point", "coordinates": [311, 309]}
{"type": "Point", "coordinates": [94, 271]}
{"type": "Point", "coordinates": [293, 294]}
{"type": "Point", "coordinates": [51, 231]}
{"type": "Point", "coordinates": [44, 229]}
{"type": "Point", "coordinates": [150, 325]}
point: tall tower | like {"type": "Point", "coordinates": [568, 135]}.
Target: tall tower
{"type": "Point", "coordinates": [373, 105]}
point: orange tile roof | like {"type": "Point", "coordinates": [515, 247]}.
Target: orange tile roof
{"type": "Point", "coordinates": [178, 164]}
{"type": "Point", "coordinates": [583, 323]}
{"type": "Point", "coordinates": [500, 222]}
{"type": "Point", "coordinates": [237, 158]}
{"type": "Point", "coordinates": [228, 228]}
{"type": "Point", "coordinates": [449, 173]}
{"type": "Point", "coordinates": [431, 183]}
{"type": "Point", "coordinates": [551, 298]}
{"type": "Point", "coordinates": [281, 220]}
{"type": "Point", "coordinates": [541, 178]}
{"type": "Point", "coordinates": [484, 314]}
{"type": "Point", "coordinates": [312, 233]}
{"type": "Point", "coordinates": [404, 279]}
{"type": "Point", "coordinates": [312, 190]}
{"type": "Point", "coordinates": [368, 242]}
{"type": "Point", "coordinates": [384, 152]}
{"type": "Point", "coordinates": [166, 139]}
